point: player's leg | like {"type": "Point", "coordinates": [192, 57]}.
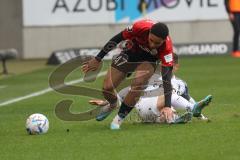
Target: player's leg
{"type": "Point", "coordinates": [236, 28]}
{"type": "Point", "coordinates": [149, 110]}
{"type": "Point", "coordinates": [143, 73]}
{"type": "Point", "coordinates": [199, 106]}
{"type": "Point", "coordinates": [177, 102]}
{"type": "Point", "coordinates": [113, 78]}
{"type": "Point", "coordinates": [120, 67]}
{"type": "Point", "coordinates": [184, 118]}
{"type": "Point", "coordinates": [201, 117]}
{"type": "Point", "coordinates": [180, 103]}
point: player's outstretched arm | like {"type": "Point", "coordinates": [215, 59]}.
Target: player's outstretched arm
{"type": "Point", "coordinates": [110, 45]}
{"type": "Point", "coordinates": [94, 63]}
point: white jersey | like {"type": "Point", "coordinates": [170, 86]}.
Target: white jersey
{"type": "Point", "coordinates": [155, 88]}
{"type": "Point", "coordinates": [147, 104]}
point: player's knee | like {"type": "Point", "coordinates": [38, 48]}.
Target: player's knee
{"type": "Point", "coordinates": [108, 87]}
{"type": "Point", "coordinates": [136, 88]}
{"type": "Point", "coordinates": [139, 83]}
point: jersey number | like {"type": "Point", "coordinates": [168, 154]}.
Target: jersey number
{"type": "Point", "coordinates": [120, 60]}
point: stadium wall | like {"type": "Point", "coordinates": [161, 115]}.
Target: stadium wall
{"type": "Point", "coordinates": [40, 42]}
{"type": "Point", "coordinates": [11, 25]}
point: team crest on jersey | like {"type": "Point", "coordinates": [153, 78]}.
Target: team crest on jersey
{"type": "Point", "coordinates": [130, 28]}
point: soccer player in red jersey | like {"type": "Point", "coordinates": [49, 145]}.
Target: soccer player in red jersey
{"type": "Point", "coordinates": [146, 43]}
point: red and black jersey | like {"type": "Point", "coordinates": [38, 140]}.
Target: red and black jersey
{"type": "Point", "coordinates": [138, 33]}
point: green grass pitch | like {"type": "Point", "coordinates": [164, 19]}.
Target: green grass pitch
{"type": "Point", "coordinates": [197, 140]}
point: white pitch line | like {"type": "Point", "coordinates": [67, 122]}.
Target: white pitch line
{"type": "Point", "coordinates": [44, 91]}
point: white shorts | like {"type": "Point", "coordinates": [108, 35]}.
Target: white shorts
{"type": "Point", "coordinates": [147, 109]}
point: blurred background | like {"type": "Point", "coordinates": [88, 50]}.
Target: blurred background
{"type": "Point", "coordinates": [38, 35]}
{"type": "Point", "coordinates": [37, 28]}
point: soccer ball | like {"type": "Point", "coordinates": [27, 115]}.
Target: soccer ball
{"type": "Point", "coordinates": [37, 124]}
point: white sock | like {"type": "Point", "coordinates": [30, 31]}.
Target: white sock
{"type": "Point", "coordinates": [191, 100]}
{"type": "Point", "coordinates": [117, 120]}
{"type": "Point", "coordinates": [180, 103]}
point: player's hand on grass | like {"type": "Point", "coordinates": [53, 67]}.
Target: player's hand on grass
{"type": "Point", "coordinates": [167, 112]}
{"type": "Point", "coordinates": [98, 102]}
{"type": "Point", "coordinates": [91, 65]}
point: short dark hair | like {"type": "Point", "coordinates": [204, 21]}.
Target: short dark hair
{"type": "Point", "coordinates": [160, 30]}
{"type": "Point", "coordinates": [175, 58]}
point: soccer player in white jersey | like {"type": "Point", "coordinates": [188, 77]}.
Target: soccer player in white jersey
{"type": "Point", "coordinates": [151, 102]}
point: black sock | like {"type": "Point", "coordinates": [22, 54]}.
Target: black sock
{"type": "Point", "coordinates": [124, 110]}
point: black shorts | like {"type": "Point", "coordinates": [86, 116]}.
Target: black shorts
{"type": "Point", "coordinates": [127, 61]}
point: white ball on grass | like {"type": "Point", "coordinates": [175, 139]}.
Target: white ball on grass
{"type": "Point", "coordinates": [37, 124]}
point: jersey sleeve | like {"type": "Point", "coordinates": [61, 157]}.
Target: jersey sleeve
{"type": "Point", "coordinates": [137, 29]}
{"type": "Point", "coordinates": [130, 32]}
{"type": "Point", "coordinates": [166, 53]}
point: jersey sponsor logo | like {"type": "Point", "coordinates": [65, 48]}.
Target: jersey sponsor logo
{"type": "Point", "coordinates": [168, 58]}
